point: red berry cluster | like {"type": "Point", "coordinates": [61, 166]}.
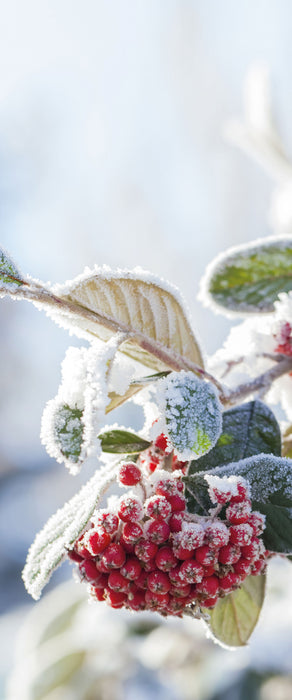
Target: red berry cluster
{"type": "Point", "coordinates": [150, 553]}
{"type": "Point", "coordinates": [284, 340]}
{"type": "Point", "coordinates": [160, 454]}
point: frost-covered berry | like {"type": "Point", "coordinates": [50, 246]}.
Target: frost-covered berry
{"type": "Point", "coordinates": [210, 602]}
{"type": "Point", "coordinates": [131, 569]}
{"type": "Point", "coordinates": [88, 570]}
{"type": "Point", "coordinates": [191, 535]}
{"type": "Point", "coordinates": [229, 554]}
{"type": "Point", "coordinates": [177, 502]}
{"type": "Point", "coordinates": [162, 443]}
{"type": "Point", "coordinates": [145, 550]}
{"type": "Point", "coordinates": [252, 550]}
{"type": "Point", "coordinates": [132, 532]}
{"type": "Point", "coordinates": [157, 507]}
{"type": "Point", "coordinates": [157, 531]}
{"type": "Point", "coordinates": [206, 556]}
{"type": "Point", "coordinates": [97, 541]}
{"type": "Point", "coordinates": [107, 521]}
{"type": "Point", "coordinates": [167, 487]}
{"type": "Point", "coordinates": [191, 571]}
{"type": "Point", "coordinates": [229, 582]}
{"type": "Point", "coordinates": [130, 509]}
{"type": "Point", "coordinates": [216, 534]}
{"type": "Point", "coordinates": [129, 474]}
{"type": "Point", "coordinates": [208, 586]}
{"type": "Point", "coordinates": [165, 559]}
{"type": "Point", "coordinates": [175, 522]}
{"type": "Point", "coordinates": [158, 582]}
{"type": "Point", "coordinates": [240, 534]}
{"type": "Point", "coordinates": [238, 513]}
{"type": "Point", "coordinates": [118, 582]}
{"type": "Point", "coordinates": [114, 556]}
{"type": "Point", "coordinates": [181, 591]}
{"type": "Point", "coordinates": [242, 567]}
{"type": "Point", "coordinates": [257, 521]}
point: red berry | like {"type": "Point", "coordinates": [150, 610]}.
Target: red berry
{"type": "Point", "coordinates": [242, 567]}
{"type": "Point", "coordinates": [175, 522]}
{"type": "Point", "coordinates": [114, 556]}
{"type": "Point", "coordinates": [131, 569]}
{"type": "Point", "coordinates": [159, 582]}
{"type": "Point", "coordinates": [257, 522]}
{"type": "Point", "coordinates": [131, 509]}
{"type": "Point", "coordinates": [145, 550]}
{"type": "Point", "coordinates": [115, 598]}
{"type": "Point", "coordinates": [165, 559]}
{"type": "Point", "coordinates": [229, 554]}
{"type": "Point", "coordinates": [107, 521]}
{"type": "Point", "coordinates": [88, 569]}
{"type": "Point", "coordinates": [136, 601]}
{"type": "Point", "coordinates": [181, 591]}
{"type": "Point", "coordinates": [157, 531]}
{"type": "Point", "coordinates": [238, 513]}
{"type": "Point", "coordinates": [174, 576]}
{"type": "Point", "coordinates": [243, 492]}
{"type": "Point", "coordinates": [258, 567]}
{"type": "Point", "coordinates": [99, 593]}
{"type": "Point", "coordinates": [206, 556]}
{"type": "Point", "coordinates": [191, 536]}
{"type": "Point", "coordinates": [156, 600]}
{"type": "Point", "coordinates": [191, 571]}
{"type": "Point", "coordinates": [240, 534]}
{"type": "Point", "coordinates": [157, 507]}
{"type": "Point", "coordinates": [229, 582]}
{"type": "Point", "coordinates": [118, 582]}
{"type": "Point", "coordinates": [216, 534]}
{"type": "Point", "coordinates": [177, 502]}
{"type": "Point", "coordinates": [74, 556]}
{"type": "Point", "coordinates": [182, 552]}
{"type": "Point", "coordinates": [97, 541]}
{"type": "Point", "coordinates": [132, 532]}
{"type": "Point", "coordinates": [129, 474]}
{"type": "Point", "coordinates": [167, 487]}
{"type": "Point", "coordinates": [208, 586]}
{"type": "Point", "coordinates": [252, 550]}
{"type": "Point", "coordinates": [209, 602]}
{"type": "Point", "coordinates": [141, 581]}
{"type": "Point", "coordinates": [162, 443]}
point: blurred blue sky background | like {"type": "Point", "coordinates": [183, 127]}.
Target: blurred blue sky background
{"type": "Point", "coordinates": [112, 151]}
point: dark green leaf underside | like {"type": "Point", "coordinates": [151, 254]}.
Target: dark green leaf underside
{"type": "Point", "coordinates": [251, 282]}
{"type": "Point", "coordinates": [234, 617]}
{"type": "Point", "coordinates": [122, 442]}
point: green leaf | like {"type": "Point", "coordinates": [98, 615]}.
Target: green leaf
{"type": "Point", "coordinates": [270, 481]}
{"type": "Point", "coordinates": [10, 277]}
{"type": "Point", "coordinates": [234, 617]}
{"type": "Point", "coordinates": [69, 430]}
{"type": "Point", "coordinates": [60, 532]}
{"type": "Point", "coordinates": [249, 278]}
{"type": "Point", "coordinates": [247, 430]}
{"type": "Point", "coordinates": [122, 442]}
{"type": "Point", "coordinates": [192, 412]}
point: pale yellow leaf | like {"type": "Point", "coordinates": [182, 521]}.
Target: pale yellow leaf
{"type": "Point", "coordinates": [234, 617]}
{"type": "Point", "coordinates": [137, 302]}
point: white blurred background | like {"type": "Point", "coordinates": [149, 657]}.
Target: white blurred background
{"type": "Point", "coordinates": [112, 150]}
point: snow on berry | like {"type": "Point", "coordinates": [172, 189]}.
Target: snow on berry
{"type": "Point", "coordinates": [157, 506]}
{"type": "Point", "coordinates": [129, 474]}
{"type": "Point", "coordinates": [222, 489]}
{"type": "Point", "coordinates": [191, 535]}
{"type": "Point", "coordinates": [130, 509]}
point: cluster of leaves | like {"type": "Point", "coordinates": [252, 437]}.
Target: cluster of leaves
{"type": "Point", "coordinates": [153, 329]}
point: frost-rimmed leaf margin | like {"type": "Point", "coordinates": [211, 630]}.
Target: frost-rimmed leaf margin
{"type": "Point", "coordinates": [216, 293]}
{"type": "Point", "coordinates": [248, 429]}
{"type": "Point", "coordinates": [51, 544]}
{"type": "Point", "coordinates": [269, 477]}
{"type": "Point", "coordinates": [118, 441]}
{"type": "Point", "coordinates": [10, 277]}
{"type": "Point", "coordinates": [191, 412]}
{"type": "Point", "coordinates": [151, 306]}
{"type": "Point", "coordinates": [235, 616]}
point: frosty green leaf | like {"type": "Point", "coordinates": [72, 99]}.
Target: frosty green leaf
{"type": "Point", "coordinates": [249, 278]}
{"type": "Point", "coordinates": [10, 277]}
{"type": "Point", "coordinates": [247, 430]}
{"type": "Point", "coordinates": [60, 532]}
{"type": "Point", "coordinates": [234, 617]}
{"type": "Point", "coordinates": [69, 432]}
{"type": "Point", "coordinates": [192, 413]}
{"type": "Point", "coordinates": [122, 442]}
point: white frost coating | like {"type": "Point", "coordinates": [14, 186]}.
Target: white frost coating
{"type": "Point", "coordinates": [60, 532]}
{"type": "Point", "coordinates": [263, 472]}
{"type": "Point", "coordinates": [192, 413]}
{"type": "Point", "coordinates": [8, 267]}
{"type": "Point", "coordinates": [219, 263]}
{"type": "Point", "coordinates": [83, 386]}
{"type": "Point", "coordinates": [225, 485]}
